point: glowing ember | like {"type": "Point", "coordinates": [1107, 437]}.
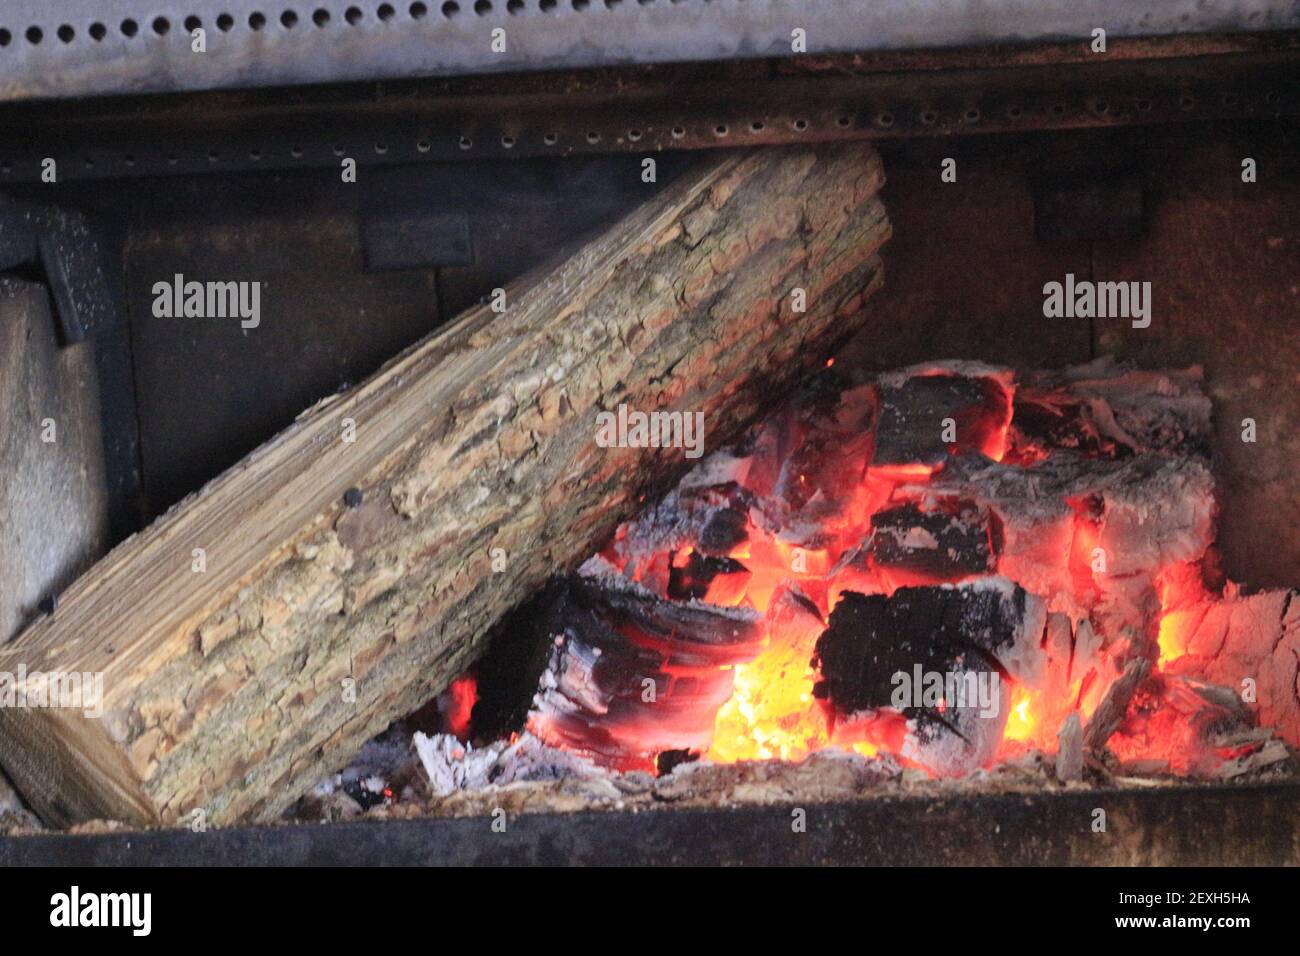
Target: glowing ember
{"type": "Point", "coordinates": [771, 712]}
{"type": "Point", "coordinates": [1182, 597]}
{"type": "Point", "coordinates": [456, 705]}
{"type": "Point", "coordinates": [813, 489]}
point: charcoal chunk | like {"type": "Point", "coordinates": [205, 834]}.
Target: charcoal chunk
{"type": "Point", "coordinates": [631, 675]}
{"type": "Point", "coordinates": [670, 760]}
{"type": "Point", "coordinates": [1108, 410]}
{"type": "Point", "coordinates": [912, 414]}
{"type": "Point", "coordinates": [943, 656]}
{"type": "Point", "coordinates": [870, 638]}
{"type": "Point", "coordinates": [1044, 421]}
{"type": "Point", "coordinates": [692, 580]}
{"type": "Point", "coordinates": [951, 542]}
{"type": "Point", "coordinates": [726, 529]}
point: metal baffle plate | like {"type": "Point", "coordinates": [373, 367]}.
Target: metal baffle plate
{"type": "Point", "coordinates": [96, 47]}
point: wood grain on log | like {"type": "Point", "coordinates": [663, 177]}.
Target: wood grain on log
{"type": "Point", "coordinates": [233, 689]}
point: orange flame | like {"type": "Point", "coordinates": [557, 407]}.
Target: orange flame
{"type": "Point", "coordinates": [457, 705]}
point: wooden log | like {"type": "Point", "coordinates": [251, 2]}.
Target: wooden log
{"type": "Point", "coordinates": [314, 620]}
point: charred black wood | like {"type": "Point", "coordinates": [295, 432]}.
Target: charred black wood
{"type": "Point", "coordinates": [725, 529]}
{"type": "Point", "coordinates": [943, 656]}
{"type": "Point", "coordinates": [693, 580]}
{"type": "Point", "coordinates": [915, 415]}
{"type": "Point", "coordinates": [630, 675]}
{"type": "Point", "coordinates": [945, 544]}
{"type": "Point", "coordinates": [831, 438]}
{"type": "Point", "coordinates": [1105, 409]}
{"type": "Point", "coordinates": [1051, 420]}
{"type": "Point", "coordinates": [694, 632]}
{"type": "Point", "coordinates": [871, 638]}
{"type": "Point", "coordinates": [626, 634]}
{"type": "Point", "coordinates": [518, 649]}
{"type": "Point", "coordinates": [710, 516]}
{"type": "Point", "coordinates": [669, 760]}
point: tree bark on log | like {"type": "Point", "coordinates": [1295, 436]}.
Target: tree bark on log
{"type": "Point", "coordinates": [318, 618]}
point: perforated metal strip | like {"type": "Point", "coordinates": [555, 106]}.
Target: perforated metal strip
{"type": "Point", "coordinates": [93, 47]}
{"type": "Point", "coordinates": [666, 107]}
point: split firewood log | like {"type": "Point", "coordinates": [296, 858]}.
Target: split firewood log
{"type": "Point", "coordinates": [258, 634]}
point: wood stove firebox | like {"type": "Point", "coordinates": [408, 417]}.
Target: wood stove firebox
{"type": "Point", "coordinates": [834, 449]}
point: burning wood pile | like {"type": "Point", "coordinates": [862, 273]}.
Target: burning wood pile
{"type": "Point", "coordinates": [949, 568]}
{"type": "Point", "coordinates": [255, 637]}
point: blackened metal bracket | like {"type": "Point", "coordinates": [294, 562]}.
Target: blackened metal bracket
{"type": "Point", "coordinates": [71, 256]}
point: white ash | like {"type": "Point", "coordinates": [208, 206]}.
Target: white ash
{"type": "Point", "coordinates": [379, 761]}
{"type": "Point", "coordinates": [961, 367]}
{"type": "Point", "coordinates": [1273, 753]}
{"type": "Point", "coordinates": [1069, 751]}
{"type": "Point", "coordinates": [920, 539]}
{"type": "Point", "coordinates": [674, 521]}
{"type": "Point", "coordinates": [1165, 410]}
{"type": "Point", "coordinates": [452, 765]}
{"type": "Point", "coordinates": [1229, 742]}
{"type": "Point", "coordinates": [1234, 639]}
{"type": "Point", "coordinates": [14, 815]}
{"type": "Point", "coordinates": [598, 566]}
{"type": "Point", "coordinates": [719, 468]}
{"type": "Point", "coordinates": [1156, 511]}
{"type": "Point", "coordinates": [534, 778]}
{"type": "Point", "coordinates": [830, 772]}
{"type": "Point", "coordinates": [1022, 656]}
